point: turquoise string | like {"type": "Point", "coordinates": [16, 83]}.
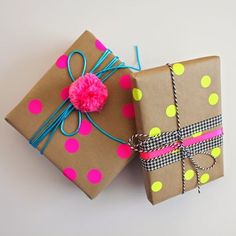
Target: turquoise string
{"type": "Point", "coordinates": [102, 130]}
{"type": "Point", "coordinates": [64, 110]}
{"type": "Point", "coordinates": [68, 63]}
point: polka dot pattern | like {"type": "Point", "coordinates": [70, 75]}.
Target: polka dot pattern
{"type": "Point", "coordinates": [213, 99]}
{"type": "Point", "coordinates": [124, 151]}
{"type": "Point", "coordinates": [171, 111]}
{"type": "Point", "coordinates": [215, 152]}
{"type": "Point", "coordinates": [137, 94]}
{"type": "Point", "coordinates": [85, 128]}
{"type": "Point", "coordinates": [35, 106]}
{"type": "Point", "coordinates": [94, 176]}
{"type": "Point", "coordinates": [64, 93]}
{"type": "Point", "coordinates": [71, 145]}
{"type": "Point", "coordinates": [178, 68]}
{"type": "Point", "coordinates": [156, 186]}
{"type": "Point", "coordinates": [70, 173]}
{"type": "Point", "coordinates": [154, 131]}
{"type": "Point", "coordinates": [204, 178]}
{"type": "Point", "coordinates": [99, 45]}
{"type": "Point", "coordinates": [125, 82]}
{"type": "Point", "coordinates": [61, 62]}
{"type": "Point", "coordinates": [189, 174]}
{"type": "Point", "coordinates": [128, 111]}
{"type": "Point", "coordinates": [205, 81]}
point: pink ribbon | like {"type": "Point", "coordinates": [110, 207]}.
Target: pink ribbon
{"type": "Point", "coordinates": [186, 143]}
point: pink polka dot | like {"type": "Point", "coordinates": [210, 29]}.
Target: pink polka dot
{"type": "Point", "coordinates": [35, 106]}
{"type": "Point", "coordinates": [64, 93]}
{"type": "Point", "coordinates": [100, 46]}
{"type": "Point", "coordinates": [128, 110]}
{"type": "Point", "coordinates": [85, 128]}
{"type": "Point", "coordinates": [61, 62]}
{"type": "Point", "coordinates": [70, 173]}
{"type": "Point", "coordinates": [94, 176]}
{"type": "Point", "coordinates": [71, 145]}
{"type": "Point", "coordinates": [124, 151]}
{"type": "Point", "coordinates": [125, 82]}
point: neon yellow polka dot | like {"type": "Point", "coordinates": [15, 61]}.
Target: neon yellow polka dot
{"type": "Point", "coordinates": [171, 111]}
{"type": "Point", "coordinates": [215, 152]}
{"type": "Point", "coordinates": [178, 68]}
{"type": "Point", "coordinates": [155, 131]}
{"type": "Point", "coordinates": [137, 94]}
{"type": "Point", "coordinates": [189, 174]}
{"type": "Point", "coordinates": [213, 99]}
{"type": "Point", "coordinates": [204, 178]}
{"type": "Point", "coordinates": [157, 186]}
{"type": "Point", "coordinates": [197, 134]}
{"type": "Point", "coordinates": [205, 81]}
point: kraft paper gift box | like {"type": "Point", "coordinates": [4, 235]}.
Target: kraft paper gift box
{"type": "Point", "coordinates": [170, 168]}
{"type": "Point", "coordinates": [89, 158]}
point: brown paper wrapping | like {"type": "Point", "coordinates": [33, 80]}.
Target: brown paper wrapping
{"type": "Point", "coordinates": [157, 93]}
{"type": "Point", "coordinates": [96, 151]}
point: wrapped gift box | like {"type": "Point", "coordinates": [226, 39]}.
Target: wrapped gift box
{"type": "Point", "coordinates": [89, 158]}
{"type": "Point", "coordinates": [171, 168]}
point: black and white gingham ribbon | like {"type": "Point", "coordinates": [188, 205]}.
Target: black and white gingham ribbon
{"type": "Point", "coordinates": [152, 143]}
{"type": "Point", "coordinates": [169, 158]}
{"type": "Point", "coordinates": [145, 143]}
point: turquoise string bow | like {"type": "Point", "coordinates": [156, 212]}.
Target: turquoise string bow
{"type": "Point", "coordinates": [58, 117]}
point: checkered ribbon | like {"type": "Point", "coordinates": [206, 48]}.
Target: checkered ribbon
{"type": "Point", "coordinates": [167, 159]}
{"type": "Point", "coordinates": [151, 143]}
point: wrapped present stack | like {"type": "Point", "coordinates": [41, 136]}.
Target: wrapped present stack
{"type": "Point", "coordinates": [179, 126]}
{"type": "Point", "coordinates": [81, 116]}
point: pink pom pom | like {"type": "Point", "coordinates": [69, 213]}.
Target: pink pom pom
{"type": "Point", "coordinates": [88, 93]}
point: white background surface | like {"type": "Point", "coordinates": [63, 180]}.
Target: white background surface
{"type": "Point", "coordinates": [35, 199]}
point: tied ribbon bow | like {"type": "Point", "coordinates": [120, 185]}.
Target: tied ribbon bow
{"type": "Point", "coordinates": [186, 153]}
{"type": "Point", "coordinates": [63, 111]}
{"type": "Point", "coordinates": [138, 143]}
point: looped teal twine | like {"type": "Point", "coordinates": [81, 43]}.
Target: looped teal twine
{"type": "Point", "coordinates": [58, 117]}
